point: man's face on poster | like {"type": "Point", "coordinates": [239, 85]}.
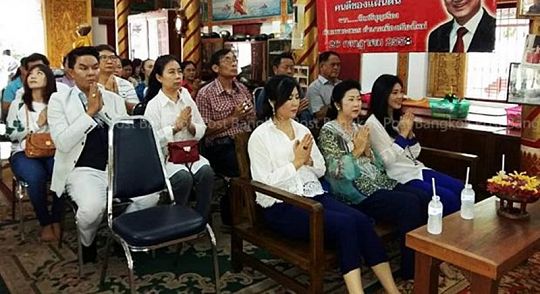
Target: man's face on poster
{"type": "Point", "coordinates": [462, 10]}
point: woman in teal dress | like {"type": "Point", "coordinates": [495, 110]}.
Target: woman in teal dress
{"type": "Point", "coordinates": [357, 176]}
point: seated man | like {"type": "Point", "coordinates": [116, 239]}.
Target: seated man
{"type": "Point", "coordinates": [283, 64]}
{"type": "Point", "coordinates": [79, 120]}
{"type": "Point", "coordinates": [226, 108]}
{"type": "Point", "coordinates": [108, 62]}
{"type": "Point", "coordinates": [319, 92]}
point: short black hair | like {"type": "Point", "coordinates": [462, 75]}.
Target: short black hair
{"type": "Point", "coordinates": [278, 89]}
{"type": "Point", "coordinates": [23, 62]}
{"type": "Point", "coordinates": [105, 47]}
{"type": "Point", "coordinates": [36, 57]}
{"type": "Point", "coordinates": [337, 96]}
{"type": "Point", "coordinates": [126, 62]}
{"type": "Point", "coordinates": [218, 55]}
{"type": "Point", "coordinates": [7, 52]}
{"type": "Point", "coordinates": [185, 63]}
{"type": "Point", "coordinates": [81, 51]}
{"type": "Point", "coordinates": [323, 57]}
{"type": "Point", "coordinates": [285, 55]}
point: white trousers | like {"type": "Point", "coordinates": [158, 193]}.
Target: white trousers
{"type": "Point", "coordinates": [88, 188]}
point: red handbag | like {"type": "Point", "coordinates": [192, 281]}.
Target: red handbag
{"type": "Point", "coordinates": [183, 152]}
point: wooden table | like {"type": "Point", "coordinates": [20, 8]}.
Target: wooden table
{"type": "Point", "coordinates": [487, 246]}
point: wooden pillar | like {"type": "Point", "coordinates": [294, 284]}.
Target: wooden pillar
{"type": "Point", "coordinates": [191, 47]}
{"type": "Point", "coordinates": [308, 54]}
{"type": "Point", "coordinates": [403, 69]}
{"type": "Point", "coordinates": [530, 132]}
{"type": "Point", "coordinates": [121, 12]}
{"type": "Point", "coordinates": [61, 19]}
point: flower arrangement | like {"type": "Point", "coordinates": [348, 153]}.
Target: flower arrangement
{"type": "Point", "coordinates": [518, 186]}
{"type": "Point", "coordinates": [451, 96]}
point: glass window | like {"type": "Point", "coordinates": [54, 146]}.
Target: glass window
{"type": "Point", "coordinates": [487, 73]}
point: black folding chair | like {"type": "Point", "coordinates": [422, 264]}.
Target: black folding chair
{"type": "Point", "coordinates": [136, 167]}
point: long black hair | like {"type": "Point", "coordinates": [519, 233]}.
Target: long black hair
{"type": "Point", "coordinates": [382, 88]}
{"type": "Point", "coordinates": [50, 86]}
{"type": "Point", "coordinates": [153, 84]}
{"type": "Point", "coordinates": [278, 91]}
{"type": "Point", "coordinates": [337, 96]}
{"type": "Point", "coordinates": [142, 73]}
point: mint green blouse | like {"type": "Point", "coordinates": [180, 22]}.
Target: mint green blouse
{"type": "Point", "coordinates": [352, 179]}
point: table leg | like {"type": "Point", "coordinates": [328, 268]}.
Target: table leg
{"type": "Point", "coordinates": [483, 285]}
{"type": "Point", "coordinates": [426, 274]}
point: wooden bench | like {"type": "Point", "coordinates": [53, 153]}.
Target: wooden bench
{"type": "Point", "coordinates": [248, 225]}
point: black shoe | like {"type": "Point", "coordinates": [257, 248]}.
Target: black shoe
{"type": "Point", "coordinates": [89, 254]}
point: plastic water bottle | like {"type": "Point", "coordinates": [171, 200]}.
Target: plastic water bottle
{"type": "Point", "coordinates": [435, 211]}
{"type": "Point", "coordinates": [467, 202]}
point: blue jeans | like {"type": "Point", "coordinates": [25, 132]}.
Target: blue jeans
{"type": "Point", "coordinates": [36, 172]}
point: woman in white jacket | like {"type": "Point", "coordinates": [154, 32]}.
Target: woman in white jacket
{"type": "Point", "coordinates": [175, 116]}
{"type": "Point", "coordinates": [393, 137]}
{"type": "Point", "coordinates": [26, 116]}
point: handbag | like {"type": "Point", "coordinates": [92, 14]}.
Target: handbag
{"type": "Point", "coordinates": [183, 152]}
{"type": "Point", "coordinates": [38, 145]}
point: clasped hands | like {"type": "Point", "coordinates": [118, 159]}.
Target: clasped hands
{"type": "Point", "coordinates": [242, 110]}
{"type": "Point", "coordinates": [302, 151]}
{"type": "Point", "coordinates": [406, 124]}
{"type": "Point", "coordinates": [95, 100]}
{"type": "Point", "coordinates": [362, 146]}
{"type": "Point", "coordinates": [183, 120]}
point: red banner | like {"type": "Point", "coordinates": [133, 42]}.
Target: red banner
{"type": "Point", "coordinates": [357, 26]}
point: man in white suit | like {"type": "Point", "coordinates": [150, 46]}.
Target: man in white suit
{"type": "Point", "coordinates": [79, 120]}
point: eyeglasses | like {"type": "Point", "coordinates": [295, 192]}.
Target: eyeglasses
{"type": "Point", "coordinates": [229, 60]}
{"type": "Point", "coordinates": [108, 57]}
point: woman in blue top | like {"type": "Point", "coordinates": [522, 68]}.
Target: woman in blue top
{"type": "Point", "coordinates": [357, 175]}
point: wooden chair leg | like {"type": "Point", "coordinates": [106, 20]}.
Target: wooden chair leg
{"type": "Point", "coordinates": [236, 249]}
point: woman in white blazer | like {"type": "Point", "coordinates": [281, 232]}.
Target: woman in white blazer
{"type": "Point", "coordinates": [401, 150]}
{"type": "Point", "coordinates": [175, 116]}
{"type": "Point", "coordinates": [29, 115]}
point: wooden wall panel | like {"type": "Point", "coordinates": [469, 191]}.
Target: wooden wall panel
{"type": "Point", "coordinates": [447, 73]}
{"type": "Point", "coordinates": [61, 19]}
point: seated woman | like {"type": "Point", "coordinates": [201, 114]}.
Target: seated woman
{"type": "Point", "coordinates": [191, 82]}
{"type": "Point", "coordinates": [30, 115]}
{"type": "Point", "coordinates": [401, 162]}
{"type": "Point", "coordinates": [357, 176]}
{"type": "Point", "coordinates": [175, 116]}
{"type": "Point", "coordinates": [146, 69]}
{"type": "Point", "coordinates": [283, 154]}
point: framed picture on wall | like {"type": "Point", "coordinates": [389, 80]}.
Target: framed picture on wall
{"type": "Point", "coordinates": [523, 84]}
{"type": "Point", "coordinates": [232, 10]}
{"type": "Point", "coordinates": [528, 8]}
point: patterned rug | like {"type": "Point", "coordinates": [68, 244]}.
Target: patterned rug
{"type": "Point", "coordinates": [34, 267]}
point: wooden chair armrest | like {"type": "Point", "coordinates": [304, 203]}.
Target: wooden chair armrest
{"type": "Point", "coordinates": [290, 198]}
{"type": "Point", "coordinates": [451, 154]}
{"type": "Point", "coordinates": [314, 209]}
{"type": "Point", "coordinates": [470, 159]}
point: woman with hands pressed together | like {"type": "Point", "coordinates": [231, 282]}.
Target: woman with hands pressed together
{"type": "Point", "coordinates": [24, 117]}
{"type": "Point", "coordinates": [283, 155]}
{"type": "Point", "coordinates": [400, 149]}
{"type": "Point", "coordinates": [175, 116]}
{"type": "Point", "coordinates": [357, 175]}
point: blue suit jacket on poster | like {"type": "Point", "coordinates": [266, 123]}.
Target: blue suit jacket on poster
{"type": "Point", "coordinates": [482, 41]}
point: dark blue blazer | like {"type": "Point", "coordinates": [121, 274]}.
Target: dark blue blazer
{"type": "Point", "coordinates": [482, 41]}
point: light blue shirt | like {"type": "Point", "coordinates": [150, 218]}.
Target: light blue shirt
{"type": "Point", "coordinates": [319, 93]}
{"type": "Point", "coordinates": [11, 90]}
